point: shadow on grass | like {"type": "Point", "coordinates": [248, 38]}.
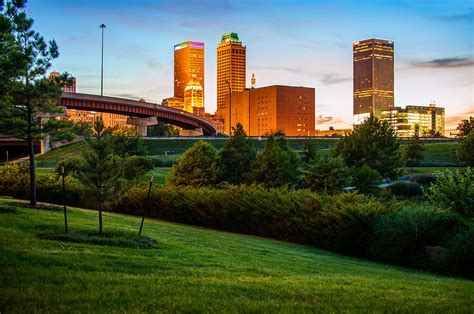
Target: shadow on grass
{"type": "Point", "coordinates": [7, 209]}
{"type": "Point", "coordinates": [117, 239]}
{"type": "Point", "coordinates": [38, 206]}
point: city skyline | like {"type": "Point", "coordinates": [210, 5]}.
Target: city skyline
{"type": "Point", "coordinates": [300, 45]}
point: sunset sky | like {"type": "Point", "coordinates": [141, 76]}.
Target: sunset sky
{"type": "Point", "coordinates": [301, 43]}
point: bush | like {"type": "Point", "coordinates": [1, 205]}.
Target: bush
{"type": "Point", "coordinates": [406, 189]}
{"type": "Point", "coordinates": [197, 167]}
{"type": "Point", "coordinates": [400, 237]}
{"type": "Point", "coordinates": [424, 179]}
{"type": "Point", "coordinates": [15, 180]}
{"type": "Point", "coordinates": [71, 165]}
{"type": "Point", "coordinates": [136, 166]}
{"type": "Point", "coordinates": [365, 179]}
{"type": "Point", "coordinates": [453, 192]}
{"type": "Point", "coordinates": [465, 149]}
{"type": "Point", "coordinates": [458, 256]}
{"type": "Point", "coordinates": [327, 175]}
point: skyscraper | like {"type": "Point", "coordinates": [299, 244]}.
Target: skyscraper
{"type": "Point", "coordinates": [231, 67]}
{"type": "Point", "coordinates": [188, 64]}
{"type": "Point", "coordinates": [373, 78]}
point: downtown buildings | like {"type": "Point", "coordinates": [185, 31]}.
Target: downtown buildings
{"type": "Point", "coordinates": [373, 76]}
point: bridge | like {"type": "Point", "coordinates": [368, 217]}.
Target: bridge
{"type": "Point", "coordinates": [137, 109]}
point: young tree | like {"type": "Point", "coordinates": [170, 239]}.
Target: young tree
{"type": "Point", "coordinates": [328, 175]}
{"type": "Point", "coordinates": [100, 171]}
{"type": "Point", "coordinates": [365, 179]}
{"type": "Point", "coordinates": [310, 150]}
{"type": "Point", "coordinates": [373, 143]}
{"type": "Point", "coordinates": [414, 151]}
{"type": "Point", "coordinates": [276, 165]}
{"type": "Point", "coordinates": [124, 145]}
{"type": "Point", "coordinates": [465, 149]}
{"type": "Point", "coordinates": [197, 167]}
{"type": "Point", "coordinates": [29, 97]}
{"type": "Point", "coordinates": [465, 127]}
{"type": "Point", "coordinates": [236, 157]}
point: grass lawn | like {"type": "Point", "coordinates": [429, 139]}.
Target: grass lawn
{"type": "Point", "coordinates": [159, 175]}
{"type": "Point", "coordinates": [198, 270]}
{"type": "Point", "coordinates": [431, 170]}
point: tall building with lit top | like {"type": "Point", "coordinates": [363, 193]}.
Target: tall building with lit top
{"type": "Point", "coordinates": [373, 75]}
{"type": "Point", "coordinates": [188, 64]}
{"type": "Point", "coordinates": [231, 67]}
{"type": "Point", "coordinates": [194, 97]}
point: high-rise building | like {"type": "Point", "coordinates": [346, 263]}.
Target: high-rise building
{"type": "Point", "coordinates": [373, 78]}
{"type": "Point", "coordinates": [188, 65]}
{"type": "Point", "coordinates": [416, 120]}
{"type": "Point", "coordinates": [194, 97]}
{"type": "Point", "coordinates": [231, 67]}
{"type": "Point", "coordinates": [273, 109]}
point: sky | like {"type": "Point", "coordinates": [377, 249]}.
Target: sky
{"type": "Point", "coordinates": [299, 43]}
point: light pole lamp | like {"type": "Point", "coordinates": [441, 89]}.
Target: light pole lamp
{"type": "Point", "coordinates": [103, 27]}
{"type": "Point", "coordinates": [230, 107]}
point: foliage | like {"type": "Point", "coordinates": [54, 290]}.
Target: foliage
{"type": "Point", "coordinates": [14, 179]}
{"type": "Point", "coordinates": [424, 179]}
{"type": "Point", "coordinates": [401, 237]}
{"type": "Point", "coordinates": [327, 175]}
{"type": "Point", "coordinates": [124, 145]}
{"type": "Point", "coordinates": [31, 96]}
{"type": "Point", "coordinates": [197, 167]}
{"type": "Point", "coordinates": [414, 152]}
{"type": "Point", "coordinates": [236, 157]}
{"type": "Point", "coordinates": [373, 143]}
{"type": "Point", "coordinates": [163, 161]}
{"type": "Point", "coordinates": [366, 179]}
{"type": "Point", "coordinates": [71, 165]}
{"type": "Point", "coordinates": [453, 191]}
{"type": "Point", "coordinates": [100, 170]}
{"type": "Point", "coordinates": [406, 189]}
{"type": "Point", "coordinates": [136, 166]}
{"type": "Point", "coordinates": [59, 130]}
{"type": "Point", "coordinates": [465, 149]}
{"type": "Point", "coordinates": [310, 150]}
{"type": "Point", "coordinates": [276, 165]}
{"type": "Point", "coordinates": [458, 256]}
{"type": "Point", "coordinates": [465, 127]}
{"type": "Point", "coordinates": [162, 129]}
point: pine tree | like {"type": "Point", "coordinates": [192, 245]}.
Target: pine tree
{"type": "Point", "coordinates": [414, 151]}
{"type": "Point", "coordinates": [236, 157]}
{"type": "Point", "coordinates": [27, 96]}
{"type": "Point", "coordinates": [100, 171]}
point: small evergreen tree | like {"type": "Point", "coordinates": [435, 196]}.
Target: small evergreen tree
{"type": "Point", "coordinates": [236, 157]}
{"type": "Point", "coordinates": [373, 143]}
{"type": "Point", "coordinates": [100, 171]}
{"type": "Point", "coordinates": [310, 150]}
{"type": "Point", "coordinates": [328, 175]}
{"type": "Point", "coordinates": [414, 152]}
{"type": "Point", "coordinates": [465, 149]}
{"type": "Point", "coordinates": [124, 145]}
{"type": "Point", "coordinates": [365, 179]}
{"type": "Point", "coordinates": [276, 165]}
{"type": "Point", "coordinates": [197, 167]}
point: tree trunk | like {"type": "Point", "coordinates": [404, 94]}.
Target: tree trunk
{"type": "Point", "coordinates": [31, 153]}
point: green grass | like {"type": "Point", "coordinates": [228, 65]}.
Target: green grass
{"type": "Point", "coordinates": [159, 175]}
{"type": "Point", "coordinates": [440, 154]}
{"type": "Point", "coordinates": [431, 170]}
{"type": "Point", "coordinates": [53, 157]}
{"type": "Point", "coordinates": [198, 270]}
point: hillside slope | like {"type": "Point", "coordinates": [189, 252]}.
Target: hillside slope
{"type": "Point", "coordinates": [194, 269]}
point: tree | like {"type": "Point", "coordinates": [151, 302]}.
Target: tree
{"type": "Point", "coordinates": [465, 149]}
{"type": "Point", "coordinates": [365, 179]}
{"type": "Point", "coordinates": [310, 150]}
{"type": "Point", "coordinates": [136, 166]}
{"type": "Point", "coordinates": [328, 175]}
{"type": "Point", "coordinates": [124, 145]}
{"type": "Point", "coordinates": [276, 165]}
{"type": "Point", "coordinates": [162, 129]}
{"type": "Point", "coordinates": [197, 167]}
{"type": "Point", "coordinates": [100, 171]}
{"type": "Point", "coordinates": [373, 143]}
{"type": "Point", "coordinates": [236, 157]}
{"type": "Point", "coordinates": [29, 97]}
{"type": "Point", "coordinates": [465, 127]}
{"type": "Point", "coordinates": [414, 151]}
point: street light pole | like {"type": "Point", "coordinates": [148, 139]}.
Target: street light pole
{"type": "Point", "coordinates": [102, 26]}
{"type": "Point", "coordinates": [230, 108]}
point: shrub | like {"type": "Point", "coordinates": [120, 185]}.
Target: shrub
{"type": "Point", "coordinates": [458, 256]}
{"type": "Point", "coordinates": [406, 189]}
{"type": "Point", "coordinates": [124, 145]}
{"type": "Point", "coordinates": [197, 167]}
{"type": "Point", "coordinates": [424, 179]}
{"type": "Point", "coordinates": [465, 149]}
{"type": "Point", "coordinates": [71, 165]}
{"type": "Point", "coordinates": [365, 179]}
{"type": "Point", "coordinates": [400, 237]}
{"type": "Point", "coordinates": [453, 192]}
{"type": "Point", "coordinates": [327, 175]}
{"type": "Point", "coordinates": [15, 180]}
{"type": "Point", "coordinates": [136, 166]}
